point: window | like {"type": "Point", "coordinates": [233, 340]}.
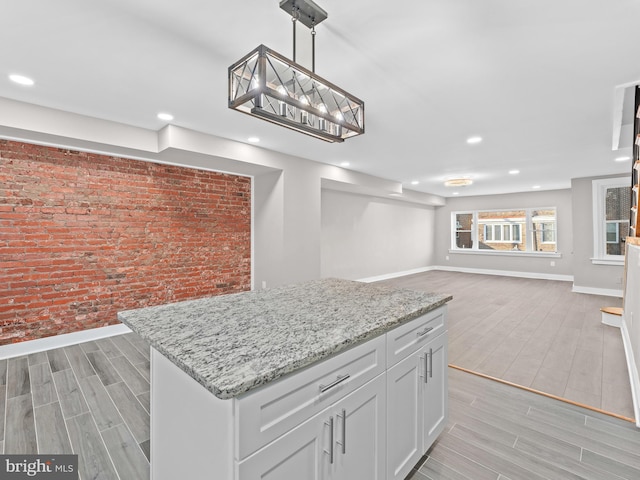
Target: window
{"type": "Point", "coordinates": [611, 207]}
{"type": "Point", "coordinates": [502, 233]}
{"type": "Point", "coordinates": [548, 232]}
{"type": "Point", "coordinates": [462, 227]}
{"type": "Point", "coordinates": [517, 230]}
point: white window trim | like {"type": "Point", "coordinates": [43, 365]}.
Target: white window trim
{"type": "Point", "coordinates": [599, 188]}
{"type": "Point", "coordinates": [506, 253]}
{"type": "Point", "coordinates": [474, 235]}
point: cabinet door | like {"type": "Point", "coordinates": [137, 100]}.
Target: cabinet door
{"type": "Point", "coordinates": [360, 433]}
{"type": "Point", "coordinates": [297, 454]}
{"type": "Point", "coordinates": [405, 415]}
{"type": "Point", "coordinates": [435, 391]}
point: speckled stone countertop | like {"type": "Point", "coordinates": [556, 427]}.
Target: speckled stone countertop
{"type": "Point", "coordinates": [233, 343]}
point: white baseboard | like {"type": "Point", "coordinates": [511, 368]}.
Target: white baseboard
{"type": "Point", "coordinates": [387, 276]}
{"type": "Point", "coordinates": [507, 273]}
{"type": "Point", "coordinates": [634, 376]}
{"type": "Point", "coordinates": [607, 292]}
{"type": "Point", "coordinates": [57, 341]}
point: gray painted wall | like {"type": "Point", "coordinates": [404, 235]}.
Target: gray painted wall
{"type": "Point", "coordinates": [298, 234]}
{"type": "Point", "coordinates": [561, 199]}
{"type": "Point", "coordinates": [585, 273]}
{"type": "Point", "coordinates": [286, 190]}
{"type": "Point", "coordinates": [365, 236]}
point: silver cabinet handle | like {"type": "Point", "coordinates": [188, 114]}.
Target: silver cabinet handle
{"type": "Point", "coordinates": [426, 368]}
{"type": "Point", "coordinates": [431, 357]}
{"type": "Point", "coordinates": [343, 443]}
{"type": "Point", "coordinates": [330, 452]}
{"type": "Point", "coordinates": [425, 331]}
{"type": "Point", "coordinates": [339, 379]}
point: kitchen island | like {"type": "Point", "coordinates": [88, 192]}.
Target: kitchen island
{"type": "Point", "coordinates": [324, 379]}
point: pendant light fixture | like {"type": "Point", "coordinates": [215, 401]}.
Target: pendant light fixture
{"type": "Point", "coordinates": [269, 86]}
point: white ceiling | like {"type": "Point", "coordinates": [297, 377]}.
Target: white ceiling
{"type": "Point", "coordinates": [535, 78]}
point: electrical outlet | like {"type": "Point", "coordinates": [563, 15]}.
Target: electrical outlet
{"type": "Point", "coordinates": [264, 284]}
{"type": "Point", "coordinates": [553, 263]}
{"type": "Point", "coordinates": [447, 257]}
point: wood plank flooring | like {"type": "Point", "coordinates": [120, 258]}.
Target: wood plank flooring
{"type": "Point", "coordinates": [91, 399]}
{"type": "Point", "coordinates": [535, 333]}
{"type": "Point", "coordinates": [500, 432]}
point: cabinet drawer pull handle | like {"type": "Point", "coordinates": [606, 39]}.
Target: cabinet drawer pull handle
{"type": "Point", "coordinates": [425, 331]}
{"type": "Point", "coordinates": [343, 443]}
{"type": "Point", "coordinates": [426, 368]}
{"type": "Point", "coordinates": [431, 357]}
{"type": "Point", "coordinates": [330, 452]}
{"type": "Point", "coordinates": [339, 379]}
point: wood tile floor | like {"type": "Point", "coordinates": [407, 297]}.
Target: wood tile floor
{"type": "Point", "coordinates": [91, 399]}
{"type": "Point", "coordinates": [535, 333]}
{"type": "Point", "coordinates": [500, 432]}
{"type": "Point", "coordinates": [69, 402]}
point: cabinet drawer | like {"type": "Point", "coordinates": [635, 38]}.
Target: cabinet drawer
{"type": "Point", "coordinates": [407, 338]}
{"type": "Point", "coordinates": [266, 413]}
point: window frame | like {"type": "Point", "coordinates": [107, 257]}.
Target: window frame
{"type": "Point", "coordinates": [527, 225]}
{"type": "Point", "coordinates": [599, 192]}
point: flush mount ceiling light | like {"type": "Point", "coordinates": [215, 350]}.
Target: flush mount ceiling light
{"type": "Point", "coordinates": [269, 86]}
{"type": "Point", "coordinates": [458, 182]}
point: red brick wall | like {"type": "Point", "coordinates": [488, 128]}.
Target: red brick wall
{"type": "Point", "coordinates": [83, 236]}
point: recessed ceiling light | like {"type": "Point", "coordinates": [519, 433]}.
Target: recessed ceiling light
{"type": "Point", "coordinates": [415, 182]}
{"type": "Point", "coordinates": [536, 187]}
{"type": "Point", "coordinates": [514, 172]}
{"type": "Point", "coordinates": [165, 116]}
{"type": "Point", "coordinates": [253, 139]}
{"type": "Point", "coordinates": [472, 140]}
{"type": "Point", "coordinates": [622, 159]}
{"type": "Point", "coordinates": [21, 79]}
{"type": "Point", "coordinates": [345, 164]}
{"type": "Point", "coordinates": [456, 193]}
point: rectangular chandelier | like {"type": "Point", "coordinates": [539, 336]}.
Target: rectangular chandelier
{"type": "Point", "coordinates": [269, 86]}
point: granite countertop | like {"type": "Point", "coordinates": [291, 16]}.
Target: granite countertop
{"type": "Point", "coordinates": [233, 343]}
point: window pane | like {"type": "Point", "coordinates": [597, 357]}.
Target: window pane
{"type": "Point", "coordinates": [464, 223]}
{"type": "Point", "coordinates": [501, 230]}
{"type": "Point", "coordinates": [544, 230]}
{"type": "Point", "coordinates": [617, 207]}
{"type": "Point", "coordinates": [618, 203]}
{"type": "Point", "coordinates": [612, 232]}
{"type": "Point", "coordinates": [516, 234]}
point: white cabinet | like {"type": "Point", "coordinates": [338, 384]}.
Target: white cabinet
{"type": "Point", "coordinates": [344, 441]}
{"type": "Point", "coordinates": [435, 388]}
{"type": "Point", "coordinates": [267, 413]}
{"type": "Point", "coordinates": [368, 413]}
{"type": "Point", "coordinates": [405, 418]}
{"type": "Point", "coordinates": [417, 396]}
